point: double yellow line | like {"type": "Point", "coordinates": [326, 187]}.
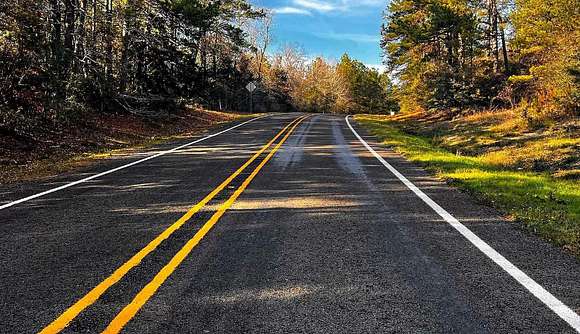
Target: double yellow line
{"type": "Point", "coordinates": [147, 292]}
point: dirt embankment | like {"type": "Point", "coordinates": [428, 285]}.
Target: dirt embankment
{"type": "Point", "coordinates": [55, 147]}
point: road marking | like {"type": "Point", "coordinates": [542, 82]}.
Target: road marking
{"type": "Point", "coordinates": [90, 298]}
{"type": "Point", "coordinates": [71, 184]}
{"type": "Point", "coordinates": [149, 290]}
{"type": "Point", "coordinates": [563, 311]}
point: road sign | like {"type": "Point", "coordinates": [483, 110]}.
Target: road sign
{"type": "Point", "coordinates": [251, 87]}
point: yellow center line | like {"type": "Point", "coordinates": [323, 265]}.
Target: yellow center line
{"type": "Point", "coordinates": [92, 296]}
{"type": "Point", "coordinates": [149, 290]}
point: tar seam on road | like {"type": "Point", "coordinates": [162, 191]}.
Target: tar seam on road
{"type": "Point", "coordinates": [92, 296]}
{"type": "Point", "coordinates": [71, 184]}
{"type": "Point", "coordinates": [563, 311]}
{"type": "Point", "coordinates": [119, 322]}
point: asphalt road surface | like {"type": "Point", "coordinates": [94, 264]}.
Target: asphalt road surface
{"type": "Point", "coordinates": [310, 234]}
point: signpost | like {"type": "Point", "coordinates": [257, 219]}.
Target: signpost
{"type": "Point", "coordinates": [251, 87]}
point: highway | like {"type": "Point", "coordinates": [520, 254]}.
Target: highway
{"type": "Point", "coordinates": [288, 223]}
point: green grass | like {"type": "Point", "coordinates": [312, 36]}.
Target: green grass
{"type": "Point", "coordinates": [547, 206]}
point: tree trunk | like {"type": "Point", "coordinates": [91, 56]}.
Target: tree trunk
{"type": "Point", "coordinates": [81, 40]}
{"type": "Point", "coordinates": [495, 36]}
{"type": "Point", "coordinates": [56, 32]}
{"type": "Point", "coordinates": [94, 25]}
{"type": "Point", "coordinates": [204, 60]}
{"type": "Point", "coordinates": [128, 27]}
{"type": "Point", "coordinates": [56, 45]}
{"type": "Point", "coordinates": [69, 35]}
{"type": "Point", "coordinates": [109, 43]}
{"type": "Point", "coordinates": [504, 49]}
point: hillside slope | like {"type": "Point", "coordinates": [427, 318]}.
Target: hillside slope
{"type": "Point", "coordinates": [55, 146]}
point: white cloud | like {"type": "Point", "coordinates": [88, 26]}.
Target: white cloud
{"type": "Point", "coordinates": [292, 10]}
{"type": "Point", "coordinates": [306, 7]}
{"type": "Point", "coordinates": [369, 3]}
{"type": "Point", "coordinates": [326, 6]}
{"type": "Point", "coordinates": [321, 6]}
{"type": "Point", "coordinates": [360, 38]}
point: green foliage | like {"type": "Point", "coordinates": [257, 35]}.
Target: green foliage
{"type": "Point", "coordinates": [548, 45]}
{"type": "Point", "coordinates": [370, 90]}
{"type": "Point", "coordinates": [432, 47]}
{"type": "Point", "coordinates": [57, 56]}
{"type": "Point", "coordinates": [454, 54]}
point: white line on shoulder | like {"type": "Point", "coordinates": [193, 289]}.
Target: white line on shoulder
{"type": "Point", "coordinates": [68, 185]}
{"type": "Point", "coordinates": [563, 311]}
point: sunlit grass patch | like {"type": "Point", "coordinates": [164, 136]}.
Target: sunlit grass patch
{"type": "Point", "coordinates": [545, 205]}
{"type": "Point", "coordinates": [533, 154]}
{"type": "Point", "coordinates": [509, 125]}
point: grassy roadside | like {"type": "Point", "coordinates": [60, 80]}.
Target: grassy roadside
{"type": "Point", "coordinates": [547, 205]}
{"type": "Point", "coordinates": [100, 137]}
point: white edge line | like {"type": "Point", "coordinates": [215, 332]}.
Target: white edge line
{"type": "Point", "coordinates": [68, 185]}
{"type": "Point", "coordinates": [563, 311]}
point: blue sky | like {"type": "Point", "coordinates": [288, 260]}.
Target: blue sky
{"type": "Point", "coordinates": [329, 27]}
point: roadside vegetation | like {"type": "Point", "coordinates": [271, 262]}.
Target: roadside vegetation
{"type": "Point", "coordinates": [79, 76]}
{"type": "Point", "coordinates": [85, 76]}
{"type": "Point", "coordinates": [96, 136]}
{"type": "Point", "coordinates": [459, 55]}
{"type": "Point", "coordinates": [489, 93]}
{"type": "Point", "coordinates": [346, 86]}
{"type": "Point", "coordinates": [530, 176]}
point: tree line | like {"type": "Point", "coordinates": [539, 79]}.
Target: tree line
{"type": "Point", "coordinates": [461, 54]}
{"type": "Point", "coordinates": [321, 85]}
{"type": "Point", "coordinates": [116, 53]}
{"type": "Point", "coordinates": [61, 57]}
